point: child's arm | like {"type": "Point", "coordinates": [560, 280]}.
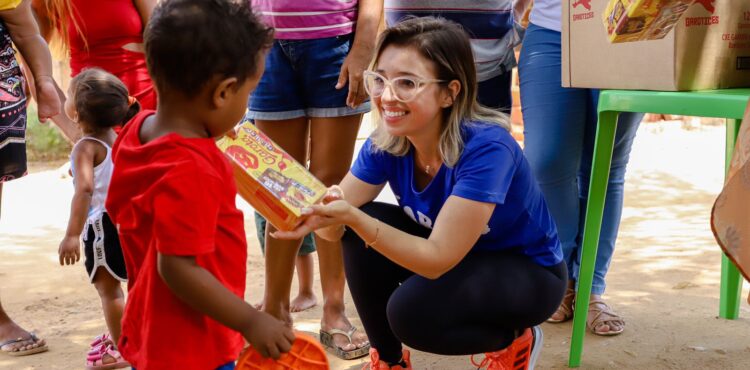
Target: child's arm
{"type": "Point", "coordinates": [198, 288]}
{"type": "Point", "coordinates": [84, 156]}
{"type": "Point", "coordinates": [25, 35]}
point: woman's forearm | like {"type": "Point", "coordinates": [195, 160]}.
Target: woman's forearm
{"type": "Point", "coordinates": [420, 255]}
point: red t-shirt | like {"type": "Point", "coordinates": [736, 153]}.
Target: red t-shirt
{"type": "Point", "coordinates": [175, 196]}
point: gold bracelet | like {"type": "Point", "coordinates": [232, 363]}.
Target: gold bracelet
{"type": "Point", "coordinates": [377, 233]}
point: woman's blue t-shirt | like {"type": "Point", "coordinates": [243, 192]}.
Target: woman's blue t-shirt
{"type": "Point", "coordinates": [492, 169]}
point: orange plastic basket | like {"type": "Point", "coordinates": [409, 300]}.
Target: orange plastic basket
{"type": "Point", "coordinates": [306, 354]}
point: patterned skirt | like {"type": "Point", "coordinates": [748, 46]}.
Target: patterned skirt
{"type": "Point", "coordinates": [12, 112]}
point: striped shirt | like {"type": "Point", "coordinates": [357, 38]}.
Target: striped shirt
{"type": "Point", "coordinates": [490, 25]}
{"type": "Point", "coordinates": [308, 19]}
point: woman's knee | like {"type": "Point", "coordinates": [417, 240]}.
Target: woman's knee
{"type": "Point", "coordinates": [412, 319]}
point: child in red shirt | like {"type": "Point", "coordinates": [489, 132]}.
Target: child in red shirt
{"type": "Point", "coordinates": [172, 194]}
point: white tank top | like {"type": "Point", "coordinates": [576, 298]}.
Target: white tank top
{"type": "Point", "coordinates": [102, 175]}
{"type": "Point", "coordinates": [547, 14]}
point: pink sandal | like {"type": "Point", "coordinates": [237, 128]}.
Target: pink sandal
{"type": "Point", "coordinates": [99, 341]}
{"type": "Point", "coordinates": [96, 361]}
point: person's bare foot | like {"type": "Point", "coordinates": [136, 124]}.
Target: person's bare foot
{"type": "Point", "coordinates": [280, 312]}
{"type": "Point", "coordinates": [11, 331]}
{"type": "Point", "coordinates": [336, 319]}
{"type": "Point", "coordinates": [303, 302]}
{"type": "Point", "coordinates": [48, 101]}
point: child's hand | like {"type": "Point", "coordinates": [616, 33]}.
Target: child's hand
{"type": "Point", "coordinates": [268, 335]}
{"type": "Point", "coordinates": [48, 101]}
{"type": "Point", "coordinates": [69, 250]}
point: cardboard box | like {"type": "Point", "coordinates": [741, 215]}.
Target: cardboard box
{"type": "Point", "coordinates": [269, 179]}
{"type": "Point", "coordinates": [709, 48]}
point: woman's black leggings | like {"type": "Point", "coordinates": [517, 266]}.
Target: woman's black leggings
{"type": "Point", "coordinates": [475, 307]}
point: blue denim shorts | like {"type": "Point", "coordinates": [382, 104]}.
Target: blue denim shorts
{"type": "Point", "coordinates": [300, 81]}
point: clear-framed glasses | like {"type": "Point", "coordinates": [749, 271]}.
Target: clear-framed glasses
{"type": "Point", "coordinates": [404, 89]}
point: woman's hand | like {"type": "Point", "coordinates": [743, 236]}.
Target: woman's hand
{"type": "Point", "coordinates": [325, 219]}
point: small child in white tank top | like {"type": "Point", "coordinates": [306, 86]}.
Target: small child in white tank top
{"type": "Point", "coordinates": [98, 102]}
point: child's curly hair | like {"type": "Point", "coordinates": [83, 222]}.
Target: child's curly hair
{"type": "Point", "coordinates": [190, 42]}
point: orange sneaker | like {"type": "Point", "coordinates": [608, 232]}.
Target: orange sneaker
{"type": "Point", "coordinates": [519, 355]}
{"type": "Point", "coordinates": [376, 364]}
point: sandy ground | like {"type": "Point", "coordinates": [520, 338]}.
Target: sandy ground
{"type": "Point", "coordinates": [664, 279]}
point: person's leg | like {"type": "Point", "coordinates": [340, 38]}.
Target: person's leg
{"type": "Point", "coordinates": [627, 125]}
{"type": "Point", "coordinates": [305, 299]}
{"type": "Point", "coordinates": [333, 131]}
{"type": "Point", "coordinates": [478, 306]}
{"type": "Point", "coordinates": [496, 93]}
{"type": "Point", "coordinates": [372, 278]}
{"type": "Point", "coordinates": [9, 330]}
{"type": "Point", "coordinates": [113, 300]}
{"type": "Point", "coordinates": [331, 150]}
{"type": "Point", "coordinates": [290, 135]}
{"type": "Point", "coordinates": [554, 122]}
{"type": "Point", "coordinates": [304, 265]}
{"type": "Point", "coordinates": [113, 305]}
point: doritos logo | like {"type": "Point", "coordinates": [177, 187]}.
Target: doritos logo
{"type": "Point", "coordinates": [586, 4]}
{"type": "Point", "coordinates": [708, 4]}
{"type": "Point", "coordinates": [703, 21]}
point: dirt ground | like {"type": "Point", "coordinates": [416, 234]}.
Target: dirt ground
{"type": "Point", "coordinates": [664, 278]}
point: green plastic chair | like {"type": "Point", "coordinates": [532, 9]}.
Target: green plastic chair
{"type": "Point", "coordinates": [728, 104]}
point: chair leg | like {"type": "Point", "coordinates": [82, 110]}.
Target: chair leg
{"type": "Point", "coordinates": [731, 287]}
{"type": "Point", "coordinates": [731, 280]}
{"type": "Point", "coordinates": [602, 160]}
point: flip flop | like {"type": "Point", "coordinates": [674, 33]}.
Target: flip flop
{"type": "Point", "coordinates": [31, 337]}
{"type": "Point", "coordinates": [306, 354]}
{"type": "Point", "coordinates": [326, 338]}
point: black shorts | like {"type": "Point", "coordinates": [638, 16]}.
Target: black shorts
{"type": "Point", "coordinates": [101, 246]}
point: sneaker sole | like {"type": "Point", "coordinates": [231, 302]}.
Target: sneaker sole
{"type": "Point", "coordinates": [536, 346]}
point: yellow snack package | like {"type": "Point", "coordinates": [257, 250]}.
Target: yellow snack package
{"type": "Point", "coordinates": [634, 20]}
{"type": "Point", "coordinates": [269, 179]}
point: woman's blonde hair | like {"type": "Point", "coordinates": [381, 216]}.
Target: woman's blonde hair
{"type": "Point", "coordinates": [62, 17]}
{"type": "Point", "coordinates": [447, 45]}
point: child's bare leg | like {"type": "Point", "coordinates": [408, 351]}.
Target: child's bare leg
{"type": "Point", "coordinates": [291, 135]}
{"type": "Point", "coordinates": [306, 298]}
{"type": "Point", "coordinates": [113, 300]}
{"type": "Point", "coordinates": [332, 148]}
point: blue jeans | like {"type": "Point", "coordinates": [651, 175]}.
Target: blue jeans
{"type": "Point", "coordinates": [559, 128]}
{"type": "Point", "coordinates": [300, 81]}
{"type": "Point", "coordinates": [227, 366]}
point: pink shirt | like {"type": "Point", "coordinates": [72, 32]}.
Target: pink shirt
{"type": "Point", "coordinates": [308, 19]}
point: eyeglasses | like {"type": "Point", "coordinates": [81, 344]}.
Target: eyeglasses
{"type": "Point", "coordinates": [404, 89]}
